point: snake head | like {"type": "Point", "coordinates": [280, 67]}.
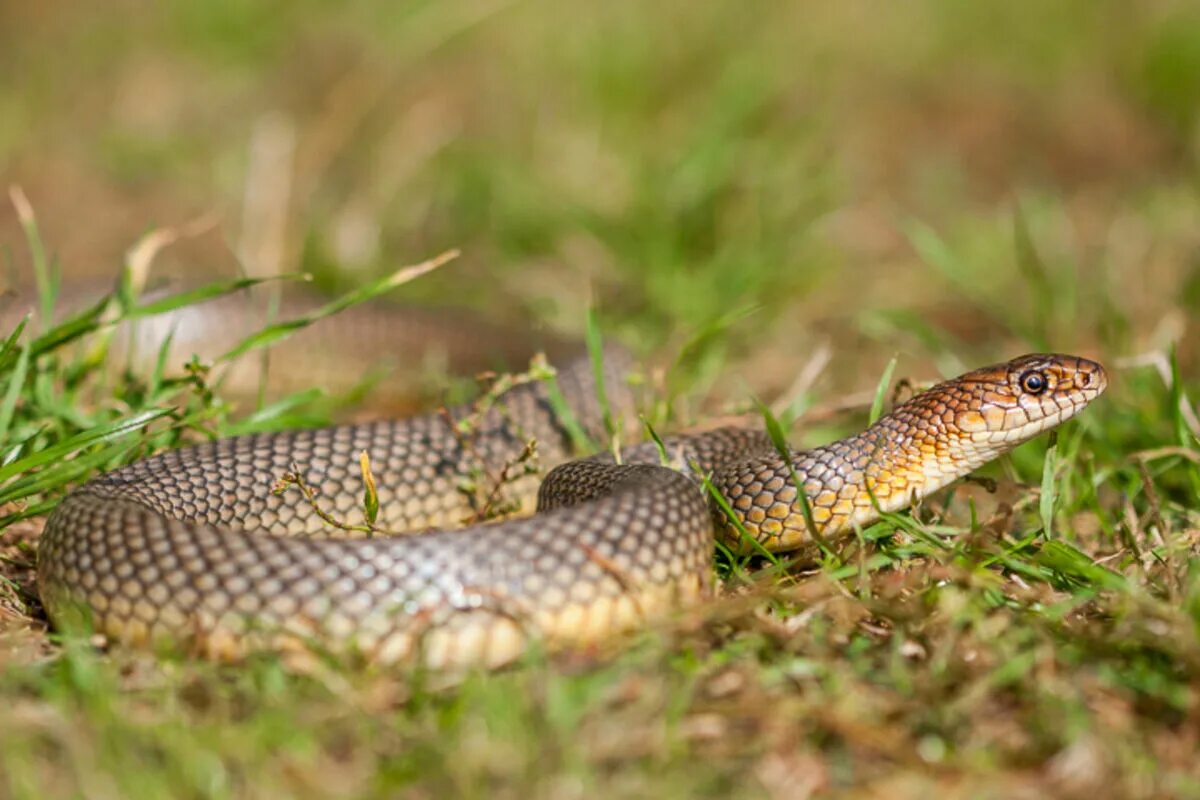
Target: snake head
{"type": "Point", "coordinates": [1015, 401]}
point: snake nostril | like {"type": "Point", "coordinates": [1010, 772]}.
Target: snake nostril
{"type": "Point", "coordinates": [1085, 379]}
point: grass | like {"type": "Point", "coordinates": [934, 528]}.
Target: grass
{"type": "Point", "coordinates": [735, 194]}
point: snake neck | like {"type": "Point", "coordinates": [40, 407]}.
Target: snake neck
{"type": "Point", "coordinates": [905, 456]}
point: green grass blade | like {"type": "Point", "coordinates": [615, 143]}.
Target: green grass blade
{"type": "Point", "coordinates": [595, 346]}
{"type": "Point", "coordinates": [16, 382]}
{"type": "Point", "coordinates": [1075, 565]}
{"type": "Point", "coordinates": [281, 330]}
{"type": "Point", "coordinates": [14, 451]}
{"type": "Point", "coordinates": [881, 391]}
{"type": "Point", "coordinates": [580, 441]}
{"type": "Point", "coordinates": [731, 515]}
{"type": "Point", "coordinates": [663, 456]}
{"type": "Point", "coordinates": [274, 416]}
{"type": "Point", "coordinates": [63, 473]}
{"type": "Point", "coordinates": [202, 294]}
{"type": "Point", "coordinates": [42, 269]}
{"type": "Point", "coordinates": [70, 445]}
{"type": "Point", "coordinates": [1049, 487]}
{"type": "Point", "coordinates": [10, 343]}
{"type": "Point", "coordinates": [779, 440]}
{"type": "Point", "coordinates": [70, 330]}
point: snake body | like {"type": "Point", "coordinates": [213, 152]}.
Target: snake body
{"type": "Point", "coordinates": [193, 547]}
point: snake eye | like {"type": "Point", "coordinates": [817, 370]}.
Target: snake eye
{"type": "Point", "coordinates": [1033, 382]}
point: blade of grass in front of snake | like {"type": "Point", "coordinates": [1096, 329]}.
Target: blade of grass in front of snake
{"type": "Point", "coordinates": [595, 346]}
{"type": "Point", "coordinates": [734, 561]}
{"type": "Point", "coordinates": [67, 331]}
{"type": "Point", "coordinates": [16, 382]}
{"type": "Point", "coordinates": [122, 306]}
{"type": "Point", "coordinates": [663, 457]}
{"type": "Point", "coordinates": [881, 388]}
{"type": "Point", "coordinates": [544, 372]}
{"type": "Point", "coordinates": [63, 472]}
{"type": "Point", "coordinates": [727, 510]}
{"type": "Point", "coordinates": [201, 294]}
{"type": "Point", "coordinates": [903, 521]}
{"type": "Point", "coordinates": [273, 416]}
{"type": "Point", "coordinates": [79, 465]}
{"type": "Point", "coordinates": [135, 271]}
{"type": "Point", "coordinates": [1047, 498]}
{"type": "Point", "coordinates": [80, 440]}
{"type": "Point", "coordinates": [281, 330]}
{"type": "Point", "coordinates": [780, 442]}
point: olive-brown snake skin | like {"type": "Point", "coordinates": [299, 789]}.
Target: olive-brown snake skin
{"type": "Point", "coordinates": [192, 547]}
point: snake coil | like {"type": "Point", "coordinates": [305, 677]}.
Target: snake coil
{"type": "Point", "coordinates": [192, 547]}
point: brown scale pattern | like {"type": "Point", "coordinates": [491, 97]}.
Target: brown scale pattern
{"type": "Point", "coordinates": [923, 445]}
{"type": "Point", "coordinates": [192, 545]}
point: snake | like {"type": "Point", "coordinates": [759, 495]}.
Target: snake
{"type": "Point", "coordinates": [200, 548]}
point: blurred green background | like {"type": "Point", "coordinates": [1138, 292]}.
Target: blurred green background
{"type": "Point", "coordinates": [939, 179]}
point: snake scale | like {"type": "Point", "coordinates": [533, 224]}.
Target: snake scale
{"type": "Point", "coordinates": [192, 547]}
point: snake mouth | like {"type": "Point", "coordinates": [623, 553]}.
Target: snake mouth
{"type": "Point", "coordinates": [1090, 378]}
